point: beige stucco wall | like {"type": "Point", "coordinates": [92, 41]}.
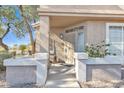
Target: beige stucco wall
{"type": "Point", "coordinates": [96, 31]}
{"type": "Point", "coordinates": [42, 36]}
{"type": "Point", "coordinates": [72, 36]}
{"type": "Point", "coordinates": [57, 31]}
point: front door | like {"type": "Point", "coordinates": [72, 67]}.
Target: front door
{"type": "Point", "coordinates": [80, 41]}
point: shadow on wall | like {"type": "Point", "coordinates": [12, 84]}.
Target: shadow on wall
{"type": "Point", "coordinates": [42, 43]}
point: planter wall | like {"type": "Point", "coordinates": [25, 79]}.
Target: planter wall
{"type": "Point", "coordinates": [27, 70]}
{"type": "Point", "coordinates": [88, 69]}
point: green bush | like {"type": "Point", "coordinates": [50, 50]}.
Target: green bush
{"type": "Point", "coordinates": [98, 50]}
{"type": "Point", "coordinates": [22, 48]}
{"type": "Point", "coordinates": [4, 55]}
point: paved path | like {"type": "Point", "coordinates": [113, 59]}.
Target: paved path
{"type": "Point", "coordinates": [61, 76]}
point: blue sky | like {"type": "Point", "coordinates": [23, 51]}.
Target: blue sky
{"type": "Point", "coordinates": [10, 39]}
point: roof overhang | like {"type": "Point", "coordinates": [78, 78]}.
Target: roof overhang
{"type": "Point", "coordinates": [83, 13]}
{"type": "Point", "coordinates": [67, 17]}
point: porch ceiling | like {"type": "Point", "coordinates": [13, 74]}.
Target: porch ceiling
{"type": "Point", "coordinates": [66, 21]}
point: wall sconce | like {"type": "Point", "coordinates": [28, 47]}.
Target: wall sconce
{"type": "Point", "coordinates": [61, 36]}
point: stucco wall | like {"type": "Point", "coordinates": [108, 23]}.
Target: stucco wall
{"type": "Point", "coordinates": [103, 72]}
{"type": "Point", "coordinates": [57, 31]}
{"type": "Point", "coordinates": [70, 37]}
{"type": "Point", "coordinates": [20, 75]}
{"type": "Point", "coordinates": [98, 72]}
{"type": "Point", "coordinates": [42, 36]}
{"type": "Point", "coordinates": [96, 31]}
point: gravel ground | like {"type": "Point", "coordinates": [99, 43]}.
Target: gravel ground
{"type": "Point", "coordinates": [103, 84]}
{"type": "Point", "coordinates": [29, 85]}
{"type": "Point", "coordinates": [90, 84]}
{"type": "Point", "coordinates": [2, 80]}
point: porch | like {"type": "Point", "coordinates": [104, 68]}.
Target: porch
{"type": "Point", "coordinates": [61, 35]}
{"type": "Point", "coordinates": [65, 35]}
{"type": "Point", "coordinates": [63, 41]}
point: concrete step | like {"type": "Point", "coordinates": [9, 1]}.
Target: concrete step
{"type": "Point", "coordinates": [61, 84]}
{"type": "Point", "coordinates": [61, 76]}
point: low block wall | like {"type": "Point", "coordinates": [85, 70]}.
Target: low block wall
{"type": "Point", "coordinates": [20, 75]}
{"type": "Point", "coordinates": [88, 69]}
{"type": "Point", "coordinates": [27, 70]}
{"type": "Point", "coordinates": [103, 72]}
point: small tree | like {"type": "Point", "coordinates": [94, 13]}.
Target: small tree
{"type": "Point", "coordinates": [18, 19]}
{"type": "Point", "coordinates": [22, 48]}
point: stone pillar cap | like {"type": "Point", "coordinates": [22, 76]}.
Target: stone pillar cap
{"type": "Point", "coordinates": [81, 55]}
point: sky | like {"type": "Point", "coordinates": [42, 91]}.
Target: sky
{"type": "Point", "coordinates": [10, 39]}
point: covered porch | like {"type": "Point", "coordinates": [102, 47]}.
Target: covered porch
{"type": "Point", "coordinates": [76, 30]}
{"type": "Point", "coordinates": [61, 37]}
{"type": "Point", "coordinates": [62, 34]}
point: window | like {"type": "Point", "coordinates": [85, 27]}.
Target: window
{"type": "Point", "coordinates": [115, 37]}
{"type": "Point", "coordinates": [74, 29]}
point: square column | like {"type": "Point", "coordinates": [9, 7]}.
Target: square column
{"type": "Point", "coordinates": [42, 37]}
{"type": "Point", "coordinates": [42, 50]}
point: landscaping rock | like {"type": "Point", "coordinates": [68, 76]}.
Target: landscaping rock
{"type": "Point", "coordinates": [103, 84]}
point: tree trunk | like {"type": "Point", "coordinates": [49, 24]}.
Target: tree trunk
{"type": "Point", "coordinates": [3, 45]}
{"type": "Point", "coordinates": [1, 39]}
{"type": "Point", "coordinates": [29, 29]}
{"type": "Point", "coordinates": [22, 52]}
{"type": "Point", "coordinates": [31, 37]}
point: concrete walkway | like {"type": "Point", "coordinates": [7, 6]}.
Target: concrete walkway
{"type": "Point", "coordinates": [61, 76]}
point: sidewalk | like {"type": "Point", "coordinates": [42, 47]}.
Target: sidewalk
{"type": "Point", "coordinates": [61, 76]}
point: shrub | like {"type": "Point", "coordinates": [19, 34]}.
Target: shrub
{"type": "Point", "coordinates": [98, 50]}
{"type": "Point", "coordinates": [4, 55]}
{"type": "Point", "coordinates": [22, 48]}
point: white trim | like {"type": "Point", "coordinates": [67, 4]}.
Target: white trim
{"type": "Point", "coordinates": [20, 62]}
{"type": "Point", "coordinates": [122, 42]}
{"type": "Point", "coordinates": [83, 15]}
{"type": "Point", "coordinates": [107, 33]}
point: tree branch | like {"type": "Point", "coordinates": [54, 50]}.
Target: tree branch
{"type": "Point", "coordinates": [8, 29]}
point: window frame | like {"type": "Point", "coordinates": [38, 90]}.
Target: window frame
{"type": "Point", "coordinates": [108, 34]}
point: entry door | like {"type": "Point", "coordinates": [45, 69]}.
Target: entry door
{"type": "Point", "coordinates": [80, 41]}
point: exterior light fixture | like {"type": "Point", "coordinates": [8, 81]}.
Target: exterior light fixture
{"type": "Point", "coordinates": [61, 36]}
